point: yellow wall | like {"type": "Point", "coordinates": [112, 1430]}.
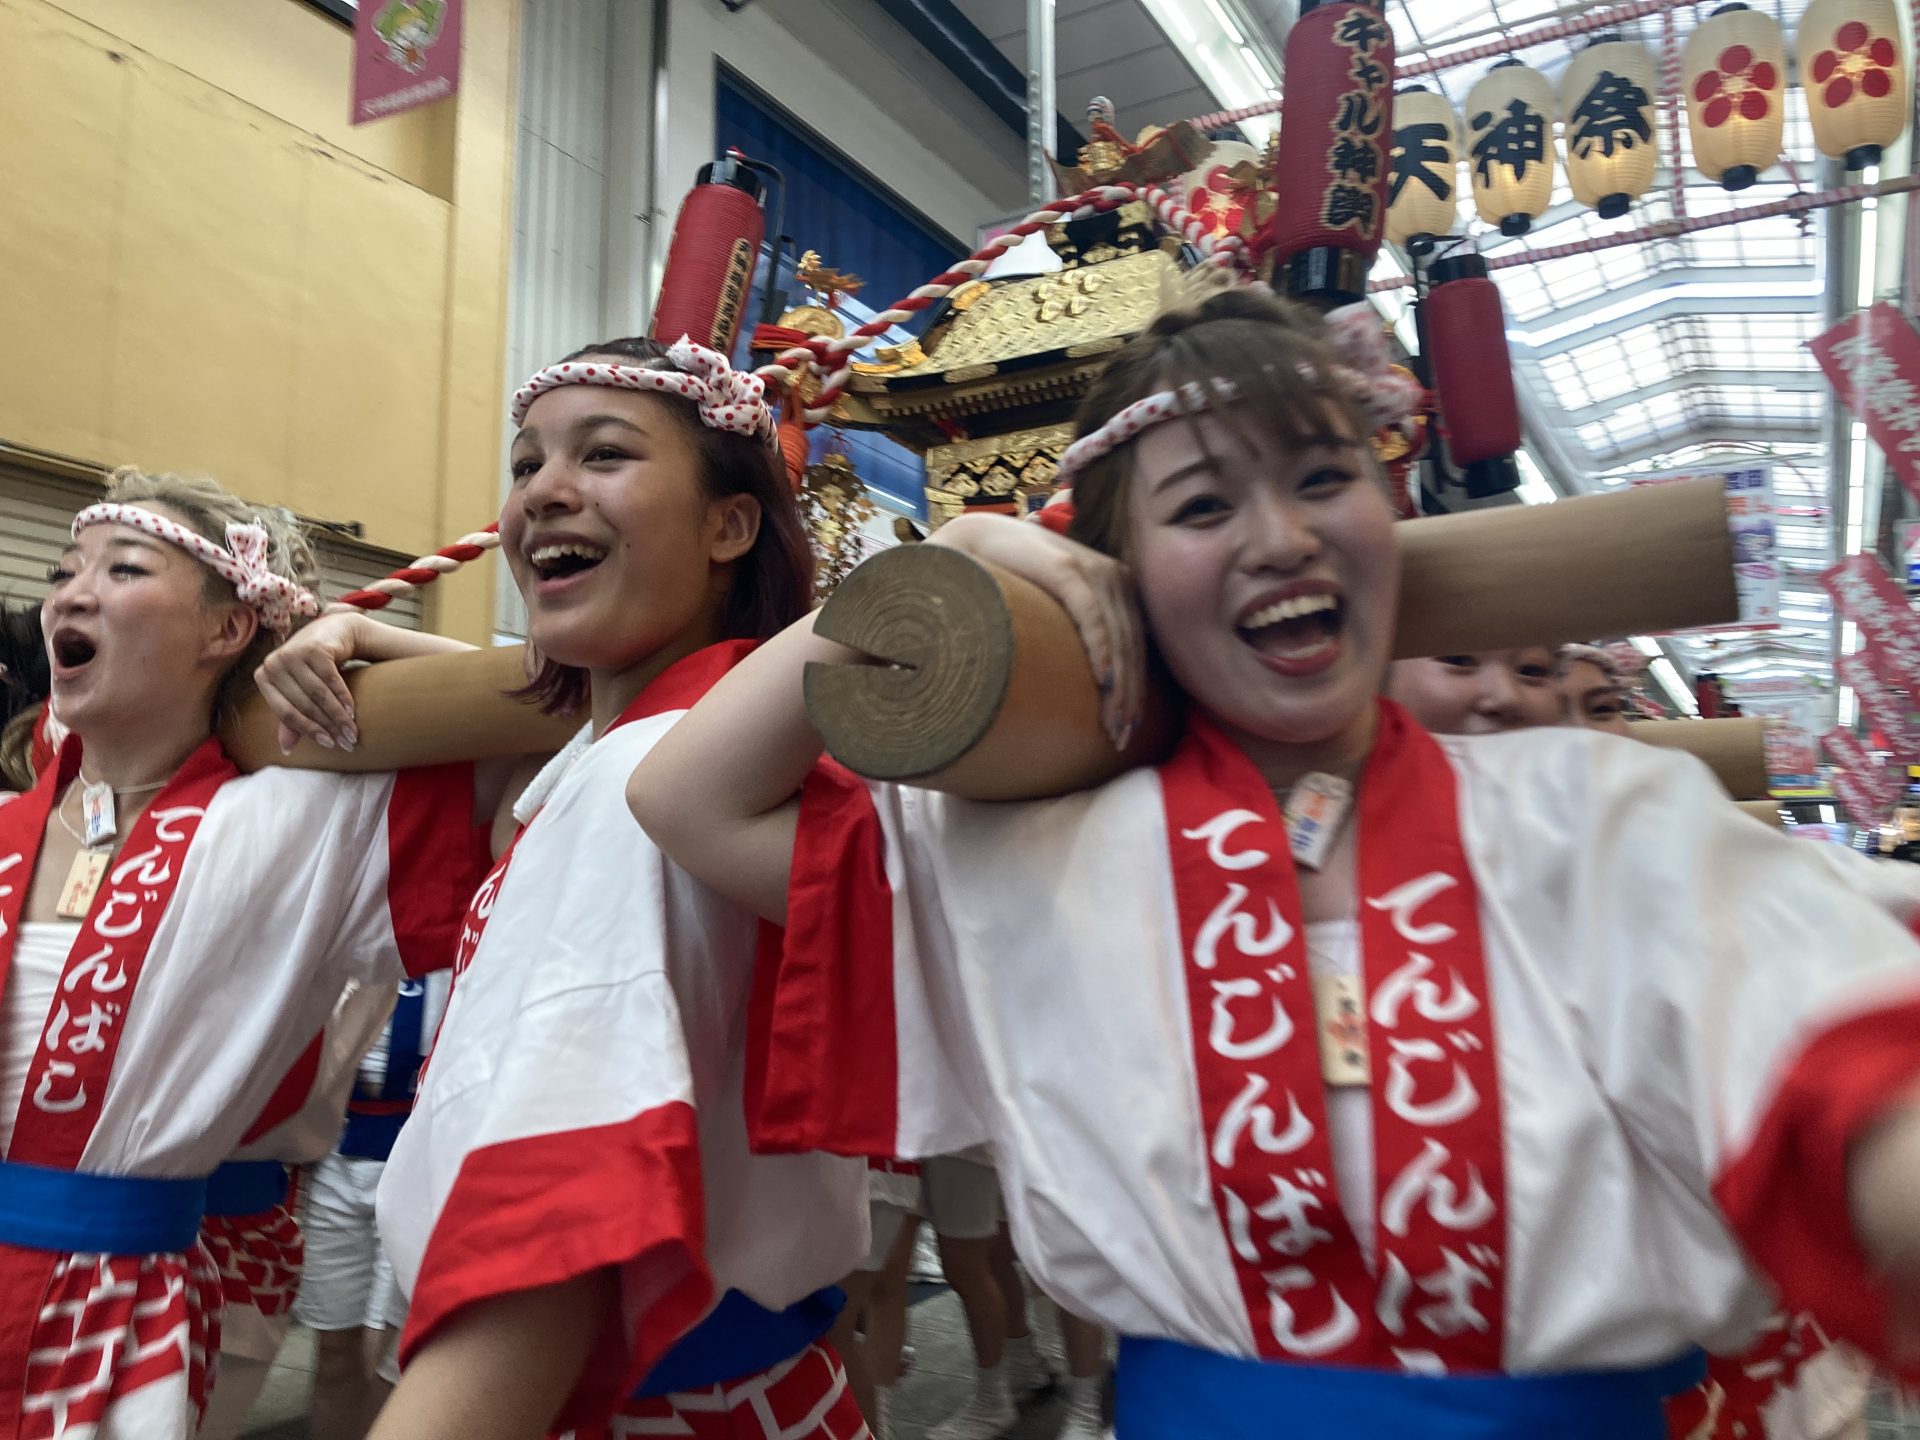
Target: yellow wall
{"type": "Point", "coordinates": [204, 268]}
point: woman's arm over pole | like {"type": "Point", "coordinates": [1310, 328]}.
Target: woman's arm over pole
{"type": "Point", "coordinates": [717, 792]}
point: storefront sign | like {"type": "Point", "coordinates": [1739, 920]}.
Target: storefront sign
{"type": "Point", "coordinates": [406, 53]}
{"type": "Point", "coordinates": [1873, 360]}
{"type": "Point", "coordinates": [1756, 559]}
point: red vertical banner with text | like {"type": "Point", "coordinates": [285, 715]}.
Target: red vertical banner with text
{"type": "Point", "coordinates": [1863, 802]}
{"type": "Point", "coordinates": [1887, 708]}
{"type": "Point", "coordinates": [1866, 595]}
{"type": "Point", "coordinates": [1873, 360]}
{"type": "Point", "coordinates": [406, 53]}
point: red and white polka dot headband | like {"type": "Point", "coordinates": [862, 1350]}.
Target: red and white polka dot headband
{"type": "Point", "coordinates": [242, 562]}
{"type": "Point", "coordinates": [726, 398]}
{"type": "Point", "coordinates": [1385, 395]}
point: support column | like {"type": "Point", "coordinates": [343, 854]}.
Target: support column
{"type": "Point", "coordinates": [1040, 101]}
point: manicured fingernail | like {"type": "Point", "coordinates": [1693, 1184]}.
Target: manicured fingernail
{"type": "Point", "coordinates": [323, 740]}
{"type": "Point", "coordinates": [1126, 735]}
{"type": "Point", "coordinates": [349, 737]}
{"type": "Point", "coordinates": [286, 747]}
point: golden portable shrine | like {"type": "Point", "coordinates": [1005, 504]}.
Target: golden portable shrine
{"type": "Point", "coordinates": [987, 393]}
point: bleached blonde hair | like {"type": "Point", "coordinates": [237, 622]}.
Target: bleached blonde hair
{"type": "Point", "coordinates": [206, 507]}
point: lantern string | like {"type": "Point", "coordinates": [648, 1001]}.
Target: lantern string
{"type": "Point", "coordinates": [1797, 204]}
{"type": "Point", "coordinates": [1432, 64]}
{"type": "Point", "coordinates": [1675, 101]}
{"type": "Point", "coordinates": [1559, 30]}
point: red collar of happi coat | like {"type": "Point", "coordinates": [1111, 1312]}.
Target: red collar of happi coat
{"type": "Point", "coordinates": [67, 1080]}
{"type": "Point", "coordinates": [1434, 1297]}
{"type": "Point", "coordinates": [677, 687]}
{"type": "Point", "coordinates": [682, 683]}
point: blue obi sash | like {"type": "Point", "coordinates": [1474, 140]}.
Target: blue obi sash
{"type": "Point", "coordinates": [246, 1187]}
{"type": "Point", "coordinates": [740, 1338]}
{"type": "Point", "coordinates": [42, 1208]}
{"type": "Point", "coordinates": [1164, 1390]}
{"type": "Point", "coordinates": [373, 1122]}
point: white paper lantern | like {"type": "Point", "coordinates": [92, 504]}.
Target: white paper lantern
{"type": "Point", "coordinates": [1607, 100]}
{"type": "Point", "coordinates": [1509, 139]}
{"type": "Point", "coordinates": [1423, 168]}
{"type": "Point", "coordinates": [1855, 77]}
{"type": "Point", "coordinates": [1736, 69]}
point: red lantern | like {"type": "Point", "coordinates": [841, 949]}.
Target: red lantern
{"type": "Point", "coordinates": [716, 244]}
{"type": "Point", "coordinates": [1464, 337]}
{"type": "Point", "coordinates": [1336, 129]}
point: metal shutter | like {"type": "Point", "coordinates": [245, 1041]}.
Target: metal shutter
{"type": "Point", "coordinates": [36, 508]}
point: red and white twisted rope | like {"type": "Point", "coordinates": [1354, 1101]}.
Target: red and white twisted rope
{"type": "Point", "coordinates": [423, 571]}
{"type": "Point", "coordinates": [1675, 102]}
{"type": "Point", "coordinates": [838, 353]}
{"type": "Point", "coordinates": [1223, 250]}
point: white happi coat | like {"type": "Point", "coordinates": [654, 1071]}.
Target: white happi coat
{"type": "Point", "coordinates": [581, 1108]}
{"type": "Point", "coordinates": [294, 884]}
{"type": "Point", "coordinates": [1692, 1015]}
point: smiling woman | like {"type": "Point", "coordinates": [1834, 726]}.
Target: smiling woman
{"type": "Point", "coordinates": [156, 931]}
{"type": "Point", "coordinates": [1377, 1132]}
{"type": "Point", "coordinates": [571, 1206]}
{"type": "Point", "coordinates": [630, 451]}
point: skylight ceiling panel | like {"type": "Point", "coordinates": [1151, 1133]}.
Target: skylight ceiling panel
{"type": "Point", "coordinates": [1523, 293]}
{"type": "Point", "coordinates": [1571, 278]}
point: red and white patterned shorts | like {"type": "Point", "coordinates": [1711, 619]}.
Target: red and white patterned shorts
{"type": "Point", "coordinates": [133, 1334]}
{"type": "Point", "coordinates": [805, 1398]}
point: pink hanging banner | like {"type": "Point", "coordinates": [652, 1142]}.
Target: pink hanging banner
{"type": "Point", "coordinates": [1866, 595]}
{"type": "Point", "coordinates": [1873, 360]}
{"type": "Point", "coordinates": [1885, 705]}
{"type": "Point", "coordinates": [406, 53]}
{"type": "Point", "coordinates": [1859, 797]}
{"type": "Point", "coordinates": [1854, 758]}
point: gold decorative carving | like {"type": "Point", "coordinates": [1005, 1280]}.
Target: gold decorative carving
{"type": "Point", "coordinates": [1017, 466]}
{"type": "Point", "coordinates": [963, 298]}
{"type": "Point", "coordinates": [836, 509]}
{"type": "Point", "coordinates": [892, 359]}
{"type": "Point", "coordinates": [970, 372]}
{"type": "Point", "coordinates": [1069, 293]}
{"type": "Point", "coordinates": [814, 320]}
{"type": "Point", "coordinates": [1018, 318]}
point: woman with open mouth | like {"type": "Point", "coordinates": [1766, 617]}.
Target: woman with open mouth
{"type": "Point", "coordinates": [172, 937]}
{"type": "Point", "coordinates": [571, 1207]}
{"type": "Point", "coordinates": [1449, 1087]}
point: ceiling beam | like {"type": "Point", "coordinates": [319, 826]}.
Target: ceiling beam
{"type": "Point", "coordinates": [1795, 380]}
{"type": "Point", "coordinates": [1660, 445]}
{"type": "Point", "coordinates": [956, 42]}
{"type": "Point", "coordinates": [1671, 307]}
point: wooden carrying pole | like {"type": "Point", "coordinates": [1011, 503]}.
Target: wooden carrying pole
{"type": "Point", "coordinates": [422, 711]}
{"type": "Point", "coordinates": [982, 688]}
{"type": "Point", "coordinates": [1735, 750]}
